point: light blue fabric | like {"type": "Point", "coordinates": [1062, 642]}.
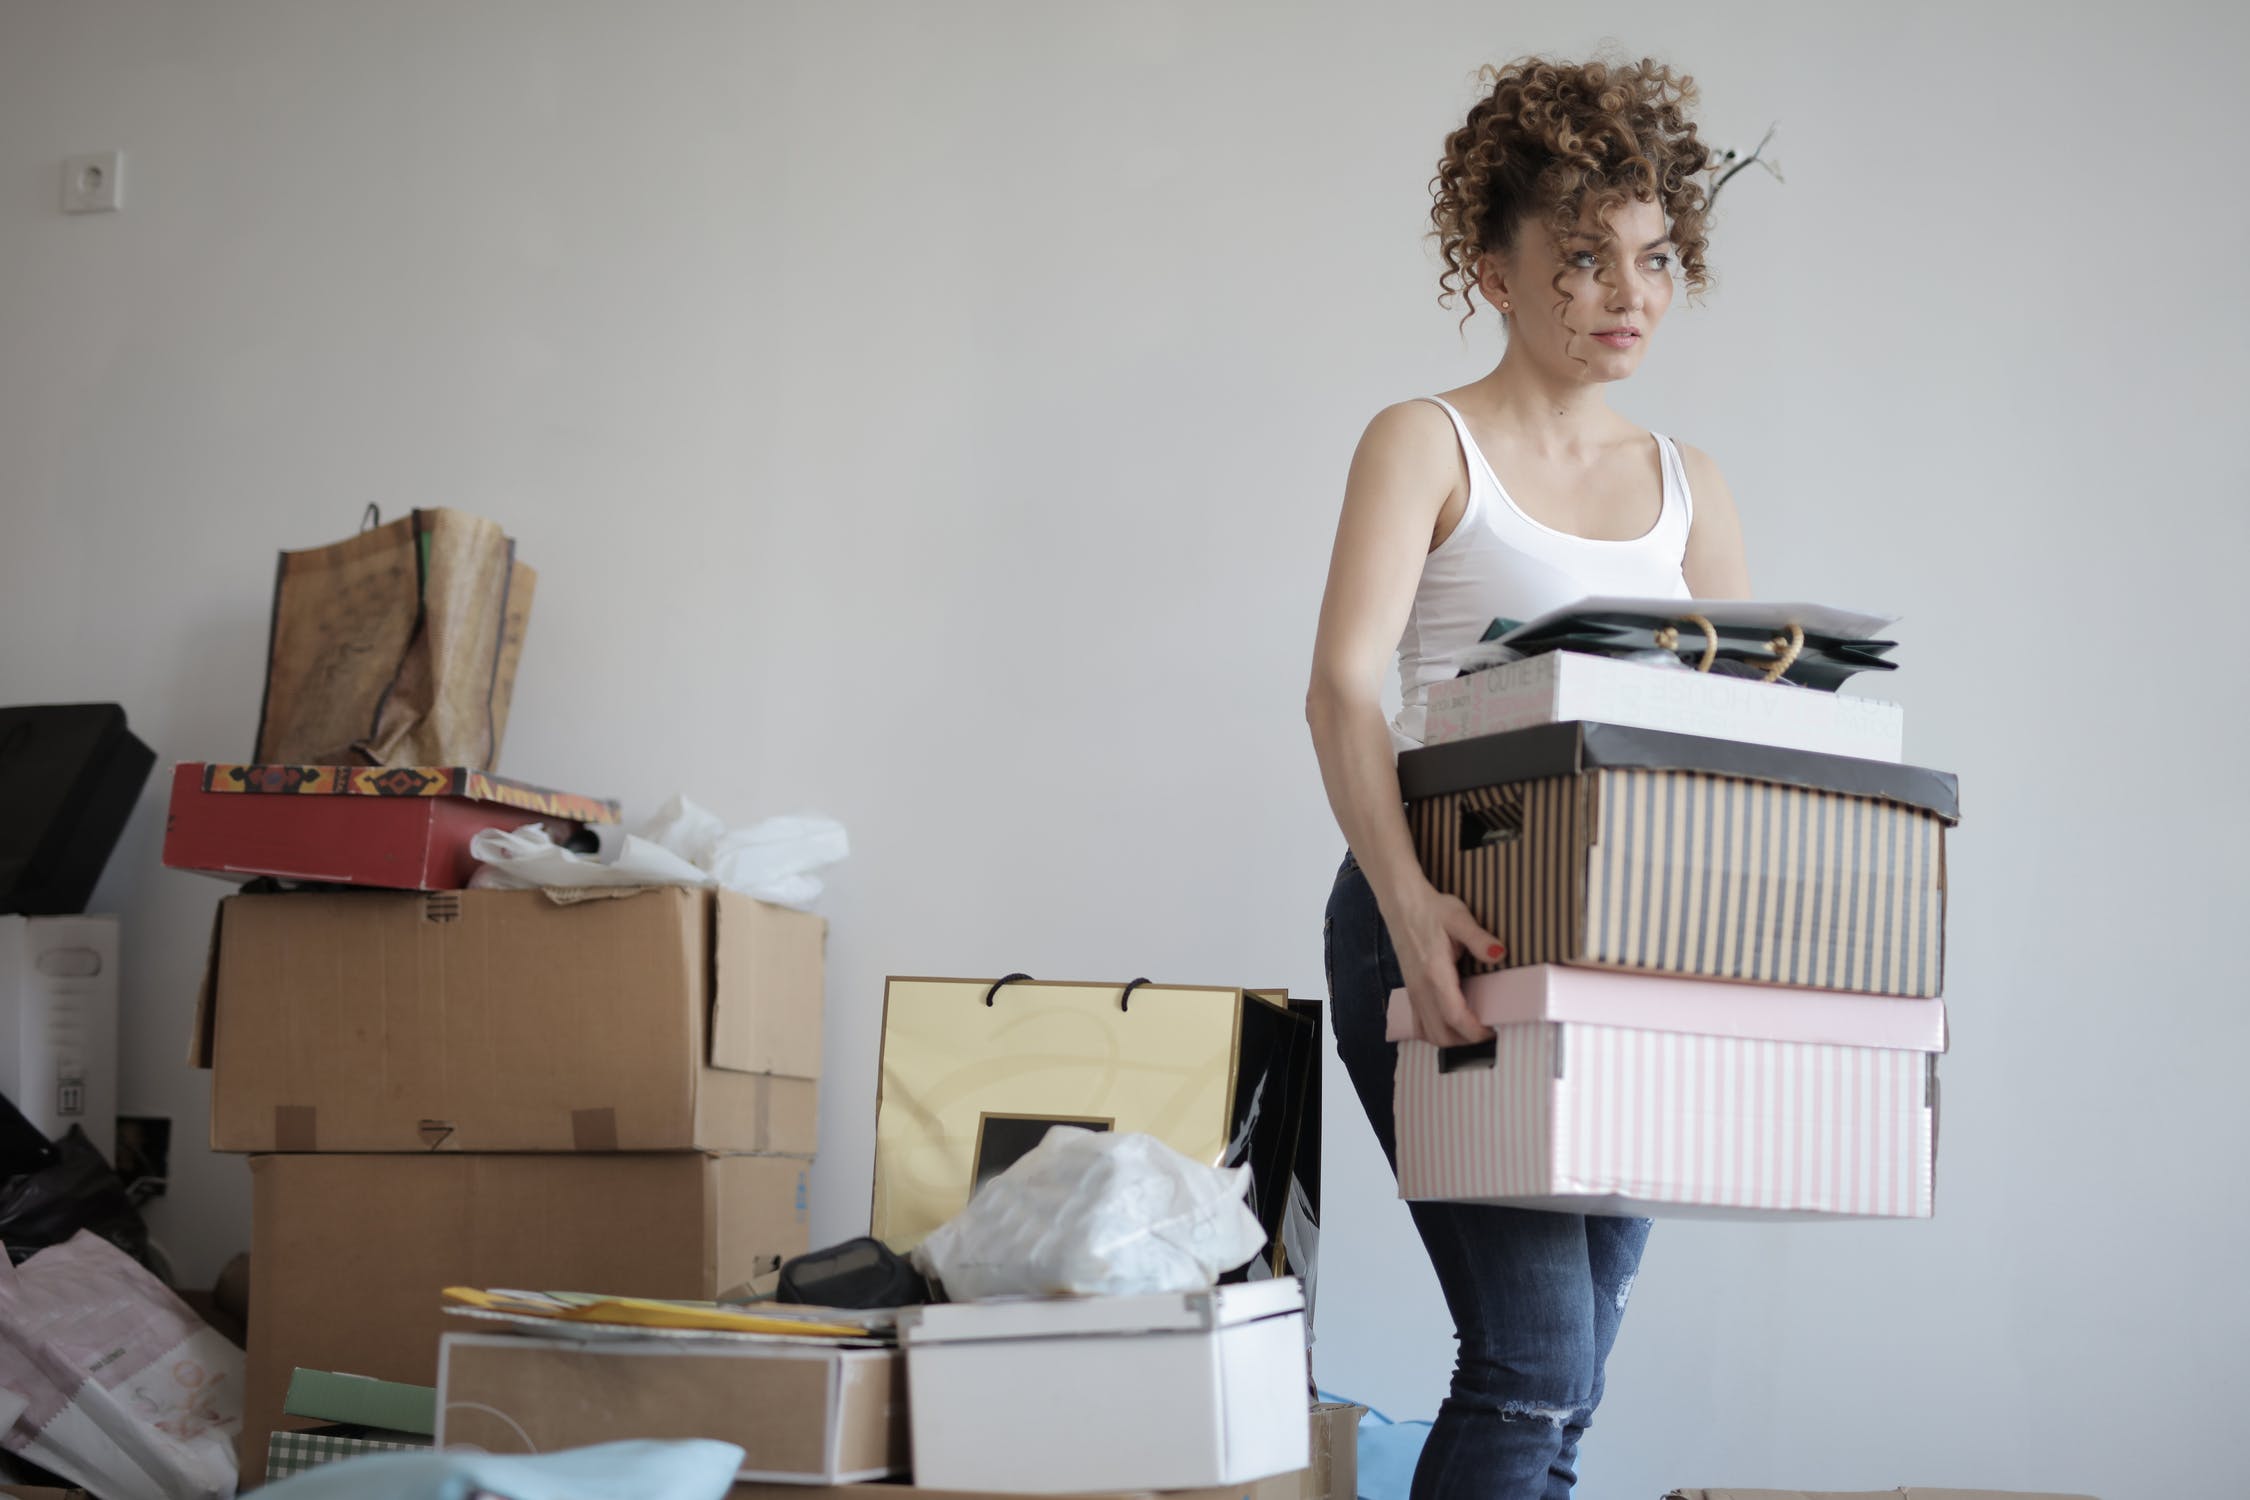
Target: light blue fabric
{"type": "Point", "coordinates": [694, 1470]}
{"type": "Point", "coordinates": [1388, 1452]}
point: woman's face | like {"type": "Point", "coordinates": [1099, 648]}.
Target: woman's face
{"type": "Point", "coordinates": [1618, 279]}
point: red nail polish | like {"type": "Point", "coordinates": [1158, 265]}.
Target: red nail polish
{"type": "Point", "coordinates": [1494, 951]}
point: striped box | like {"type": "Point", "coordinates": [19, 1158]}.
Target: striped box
{"type": "Point", "coordinates": [1637, 849]}
{"type": "Point", "coordinates": [1618, 1095]}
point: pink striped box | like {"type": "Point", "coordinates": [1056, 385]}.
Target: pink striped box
{"type": "Point", "coordinates": [1634, 1094]}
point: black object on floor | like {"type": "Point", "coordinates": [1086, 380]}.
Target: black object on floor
{"type": "Point", "coordinates": [24, 1147]}
{"type": "Point", "coordinates": [79, 1191]}
{"type": "Point", "coordinates": [70, 774]}
{"type": "Point", "coordinates": [858, 1273]}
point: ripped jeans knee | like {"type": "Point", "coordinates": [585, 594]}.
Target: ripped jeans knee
{"type": "Point", "coordinates": [1552, 1416]}
{"type": "Point", "coordinates": [1557, 1392]}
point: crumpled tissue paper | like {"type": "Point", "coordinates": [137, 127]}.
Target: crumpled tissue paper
{"type": "Point", "coordinates": [683, 844]}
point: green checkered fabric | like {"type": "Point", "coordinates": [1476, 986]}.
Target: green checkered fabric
{"type": "Point", "coordinates": [290, 1453]}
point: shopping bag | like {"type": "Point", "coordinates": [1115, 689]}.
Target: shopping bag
{"type": "Point", "coordinates": [396, 647]}
{"type": "Point", "coordinates": [975, 1072]}
{"type": "Point", "coordinates": [107, 1379]}
{"type": "Point", "coordinates": [1777, 642]}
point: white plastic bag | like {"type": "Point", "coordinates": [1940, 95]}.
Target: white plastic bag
{"type": "Point", "coordinates": [107, 1378]}
{"type": "Point", "coordinates": [684, 844]}
{"type": "Point", "coordinates": [517, 859]}
{"type": "Point", "coordinates": [1091, 1213]}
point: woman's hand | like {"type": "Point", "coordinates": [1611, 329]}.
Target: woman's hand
{"type": "Point", "coordinates": [1430, 931]}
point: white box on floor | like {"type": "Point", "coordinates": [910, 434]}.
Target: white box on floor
{"type": "Point", "coordinates": [1072, 1395]}
{"type": "Point", "coordinates": [58, 1024]}
{"type": "Point", "coordinates": [1559, 686]}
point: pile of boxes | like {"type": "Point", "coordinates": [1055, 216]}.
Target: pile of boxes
{"type": "Point", "coordinates": [499, 1088]}
{"type": "Point", "coordinates": [1724, 908]}
{"type": "Point", "coordinates": [1186, 1391]}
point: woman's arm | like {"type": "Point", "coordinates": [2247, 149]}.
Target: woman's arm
{"type": "Point", "coordinates": [1404, 471]}
{"type": "Point", "coordinates": [1714, 564]}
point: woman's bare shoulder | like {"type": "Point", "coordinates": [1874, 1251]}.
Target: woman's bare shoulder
{"type": "Point", "coordinates": [1705, 482]}
{"type": "Point", "coordinates": [1412, 446]}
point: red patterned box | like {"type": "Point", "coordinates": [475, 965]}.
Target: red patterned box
{"type": "Point", "coordinates": [398, 827]}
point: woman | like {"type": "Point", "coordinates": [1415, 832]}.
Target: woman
{"type": "Point", "coordinates": [1572, 201]}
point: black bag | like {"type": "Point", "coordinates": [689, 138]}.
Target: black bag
{"type": "Point", "coordinates": [79, 1191]}
{"type": "Point", "coordinates": [69, 776]}
{"type": "Point", "coordinates": [857, 1273]}
{"type": "Point", "coordinates": [1785, 651]}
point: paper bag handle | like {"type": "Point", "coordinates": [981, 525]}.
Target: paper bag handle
{"type": "Point", "coordinates": [1005, 979]}
{"type": "Point", "coordinates": [1124, 1000]}
{"type": "Point", "coordinates": [1786, 646]}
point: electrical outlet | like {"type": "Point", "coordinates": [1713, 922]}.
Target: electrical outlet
{"type": "Point", "coordinates": [93, 184]}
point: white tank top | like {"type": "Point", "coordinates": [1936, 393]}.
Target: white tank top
{"type": "Point", "coordinates": [1500, 563]}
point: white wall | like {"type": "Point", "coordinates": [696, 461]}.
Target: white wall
{"type": "Point", "coordinates": [936, 415]}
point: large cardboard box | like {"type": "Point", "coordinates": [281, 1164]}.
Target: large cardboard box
{"type": "Point", "coordinates": [1332, 1475]}
{"type": "Point", "coordinates": [664, 1019]}
{"type": "Point", "coordinates": [58, 1024]}
{"type": "Point", "coordinates": [1277, 1487]}
{"type": "Point", "coordinates": [1334, 1471]}
{"type": "Point", "coordinates": [801, 1413]}
{"type": "Point", "coordinates": [394, 827]}
{"type": "Point", "coordinates": [1604, 845]}
{"type": "Point", "coordinates": [974, 1072]}
{"type": "Point", "coordinates": [351, 1254]}
{"type": "Point", "coordinates": [1018, 1396]}
{"type": "Point", "coordinates": [1918, 1492]}
{"type": "Point", "coordinates": [1558, 686]}
{"type": "Point", "coordinates": [1636, 1094]}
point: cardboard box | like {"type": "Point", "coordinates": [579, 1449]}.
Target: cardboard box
{"type": "Point", "coordinates": [395, 827]}
{"type": "Point", "coordinates": [1277, 1487]}
{"type": "Point", "coordinates": [1333, 1475]}
{"type": "Point", "coordinates": [1559, 686]}
{"type": "Point", "coordinates": [1614, 1094]}
{"type": "Point", "coordinates": [975, 1072]}
{"type": "Point", "coordinates": [801, 1413]}
{"type": "Point", "coordinates": [1019, 1396]}
{"type": "Point", "coordinates": [1918, 1492]}
{"type": "Point", "coordinates": [1334, 1472]}
{"type": "Point", "coordinates": [503, 1021]}
{"type": "Point", "coordinates": [352, 1253]}
{"type": "Point", "coordinates": [58, 1024]}
{"type": "Point", "coordinates": [1596, 844]}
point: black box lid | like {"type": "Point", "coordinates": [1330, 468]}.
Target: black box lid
{"type": "Point", "coordinates": [1548, 750]}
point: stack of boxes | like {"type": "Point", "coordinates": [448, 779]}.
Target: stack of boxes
{"type": "Point", "coordinates": [1722, 989]}
{"type": "Point", "coordinates": [1205, 1392]}
{"type": "Point", "coordinates": [499, 1088]}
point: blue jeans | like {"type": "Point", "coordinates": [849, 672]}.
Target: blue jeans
{"type": "Point", "coordinates": [1536, 1297]}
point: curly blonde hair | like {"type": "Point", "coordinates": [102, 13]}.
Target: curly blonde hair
{"type": "Point", "coordinates": [1551, 137]}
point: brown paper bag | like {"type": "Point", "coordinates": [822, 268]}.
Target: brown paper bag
{"type": "Point", "coordinates": [396, 647]}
